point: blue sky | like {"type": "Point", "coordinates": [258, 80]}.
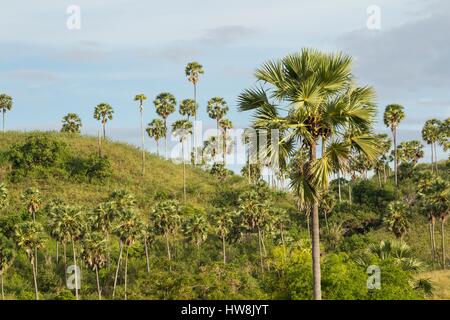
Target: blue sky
{"type": "Point", "coordinates": [128, 47]}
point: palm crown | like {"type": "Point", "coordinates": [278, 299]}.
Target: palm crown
{"type": "Point", "coordinates": [165, 104]}
{"type": "Point", "coordinates": [103, 112]}
{"type": "Point", "coordinates": [6, 102]}
{"type": "Point", "coordinates": [156, 129]}
{"type": "Point", "coordinates": [217, 108]}
{"type": "Point", "coordinates": [192, 71]}
{"type": "Point", "coordinates": [393, 115]}
{"type": "Point", "coordinates": [188, 107]}
{"type": "Point", "coordinates": [71, 123]}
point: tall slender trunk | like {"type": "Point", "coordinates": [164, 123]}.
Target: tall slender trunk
{"type": "Point", "coordinates": [117, 269]}
{"type": "Point", "coordinates": [384, 172]}
{"type": "Point", "coordinates": [76, 269]}
{"type": "Point", "coordinates": [317, 292]}
{"type": "Point", "coordinates": [104, 130]}
{"type": "Point", "coordinates": [147, 259]}
{"type": "Point", "coordinates": [223, 250]}
{"type": "Point", "coordinates": [443, 242]}
{"type": "Point", "coordinates": [126, 272]}
{"type": "Point", "coordinates": [339, 185]}
{"type": "Point", "coordinates": [184, 170]}
{"type": "Point", "coordinates": [4, 111]}
{"type": "Point", "coordinates": [350, 192]}
{"type": "Point", "coordinates": [98, 284]}
{"type": "Point", "coordinates": [394, 133]}
{"type": "Point", "coordinates": [435, 158]}
{"type": "Point", "coordinates": [260, 250]}
{"type": "Point", "coordinates": [157, 147]}
{"type": "Point", "coordinates": [65, 259]}
{"type": "Point", "coordinates": [143, 141]}
{"type": "Point", "coordinates": [36, 292]}
{"type": "Point", "coordinates": [99, 145]}
{"type": "Point", "coordinates": [430, 227]}
{"type": "Point", "coordinates": [248, 163]}
{"type": "Point", "coordinates": [432, 157]}
{"type": "Point", "coordinates": [169, 256]}
{"type": "Point", "coordinates": [1, 282]}
{"type": "Point", "coordinates": [165, 137]}
{"type": "Point", "coordinates": [195, 120]}
{"type": "Point", "coordinates": [224, 155]}
{"type": "Point", "coordinates": [434, 238]}
{"type": "Point", "coordinates": [57, 252]}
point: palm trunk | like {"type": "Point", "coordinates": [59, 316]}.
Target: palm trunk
{"type": "Point", "coordinates": [57, 252]}
{"type": "Point", "coordinates": [146, 255]}
{"type": "Point", "coordinates": [223, 249]}
{"type": "Point", "coordinates": [126, 272]}
{"type": "Point", "coordinates": [384, 172]}
{"type": "Point", "coordinates": [65, 259]}
{"type": "Point", "coordinates": [143, 141]}
{"type": "Point", "coordinates": [260, 250]}
{"type": "Point", "coordinates": [35, 278]}
{"type": "Point", "coordinates": [339, 185]}
{"type": "Point", "coordinates": [169, 256]}
{"type": "Point", "coordinates": [165, 137]}
{"type": "Point", "coordinates": [395, 155]}
{"type": "Point", "coordinates": [157, 148]}
{"type": "Point", "coordinates": [432, 157]}
{"type": "Point", "coordinates": [224, 155]}
{"type": "Point", "coordinates": [98, 284]}
{"type": "Point", "coordinates": [195, 120]}
{"type": "Point", "coordinates": [76, 270]}
{"type": "Point", "coordinates": [435, 158]}
{"type": "Point", "coordinates": [431, 240]}
{"type": "Point", "coordinates": [117, 269]}
{"type": "Point", "coordinates": [1, 282]}
{"type": "Point", "coordinates": [315, 238]}
{"type": "Point", "coordinates": [104, 130]}
{"type": "Point", "coordinates": [350, 192]}
{"type": "Point", "coordinates": [4, 111]}
{"type": "Point", "coordinates": [184, 171]}
{"type": "Point", "coordinates": [443, 242]}
{"type": "Point", "coordinates": [434, 239]}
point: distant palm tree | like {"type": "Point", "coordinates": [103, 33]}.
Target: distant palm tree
{"type": "Point", "coordinates": [55, 212]}
{"type": "Point", "coordinates": [430, 134]}
{"type": "Point", "coordinates": [165, 105]}
{"type": "Point", "coordinates": [223, 222]}
{"type": "Point", "coordinates": [410, 152]}
{"type": "Point", "coordinates": [188, 108]}
{"type": "Point", "coordinates": [29, 236]}
{"type": "Point", "coordinates": [7, 255]}
{"type": "Point", "coordinates": [71, 123]}
{"type": "Point", "coordinates": [225, 125]}
{"type": "Point", "coordinates": [444, 136]}
{"type": "Point", "coordinates": [103, 112]}
{"type": "Point", "coordinates": [217, 109]}
{"type": "Point", "coordinates": [166, 216]}
{"type": "Point", "coordinates": [148, 236]}
{"type": "Point", "coordinates": [156, 130]}
{"type": "Point", "coordinates": [196, 229]}
{"type": "Point", "coordinates": [94, 252]}
{"type": "Point", "coordinates": [193, 71]}
{"type": "Point", "coordinates": [182, 129]}
{"type": "Point", "coordinates": [32, 200]}
{"type": "Point", "coordinates": [141, 98]}
{"type": "Point", "coordinates": [3, 196]}
{"type": "Point", "coordinates": [6, 104]}
{"type": "Point", "coordinates": [393, 115]}
{"type": "Point", "coordinates": [397, 220]}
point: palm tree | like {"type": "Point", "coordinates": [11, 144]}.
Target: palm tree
{"type": "Point", "coordinates": [32, 200]}
{"type": "Point", "coordinates": [393, 115]}
{"type": "Point", "coordinates": [188, 108]}
{"type": "Point", "coordinates": [321, 101]}
{"type": "Point", "coordinates": [182, 129]}
{"type": "Point", "coordinates": [103, 112]}
{"type": "Point", "coordinates": [425, 190]}
{"type": "Point", "coordinates": [196, 229]}
{"type": "Point", "coordinates": [55, 212]}
{"type": "Point", "coordinates": [3, 196]}
{"type": "Point", "coordinates": [217, 109]}
{"type": "Point", "coordinates": [225, 125]}
{"type": "Point", "coordinates": [223, 222]}
{"type": "Point", "coordinates": [166, 217]}
{"type": "Point", "coordinates": [6, 104]}
{"type": "Point", "coordinates": [94, 252]}
{"type": "Point", "coordinates": [128, 229]}
{"type": "Point", "coordinates": [430, 134]}
{"type": "Point", "coordinates": [444, 134]}
{"type": "Point", "coordinates": [397, 220]}
{"type": "Point", "coordinates": [73, 228]}
{"type": "Point", "coordinates": [71, 123]}
{"type": "Point", "coordinates": [193, 71]}
{"type": "Point", "coordinates": [148, 236]}
{"type": "Point", "coordinates": [141, 98]}
{"type": "Point", "coordinates": [399, 251]}
{"type": "Point", "coordinates": [165, 105]}
{"type": "Point", "coordinates": [7, 255]}
{"type": "Point", "coordinates": [156, 130]}
{"type": "Point", "coordinates": [29, 236]}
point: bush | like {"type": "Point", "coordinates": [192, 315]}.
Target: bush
{"type": "Point", "coordinates": [98, 168]}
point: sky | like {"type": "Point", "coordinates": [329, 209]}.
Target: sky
{"type": "Point", "coordinates": [125, 47]}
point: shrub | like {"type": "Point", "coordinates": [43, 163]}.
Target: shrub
{"type": "Point", "coordinates": [98, 168]}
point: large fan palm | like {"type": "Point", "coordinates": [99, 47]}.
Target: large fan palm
{"type": "Point", "coordinates": [393, 115]}
{"type": "Point", "coordinates": [141, 98]}
{"type": "Point", "coordinates": [430, 134]}
{"type": "Point", "coordinates": [314, 100]}
{"type": "Point", "coordinates": [71, 123]}
{"type": "Point", "coordinates": [103, 112]}
{"type": "Point", "coordinates": [94, 254]}
{"type": "Point", "coordinates": [223, 222]}
{"type": "Point", "coordinates": [156, 130]}
{"type": "Point", "coordinates": [166, 217]}
{"type": "Point", "coordinates": [6, 104]}
{"type": "Point", "coordinates": [165, 104]}
{"type": "Point", "coordinates": [217, 108]}
{"type": "Point", "coordinates": [397, 220]}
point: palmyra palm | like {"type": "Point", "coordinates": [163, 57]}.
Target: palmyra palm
{"type": "Point", "coordinates": [71, 123]}
{"type": "Point", "coordinates": [188, 108]}
{"type": "Point", "coordinates": [393, 115]}
{"type": "Point", "coordinates": [225, 125]}
{"type": "Point", "coordinates": [6, 104]}
{"type": "Point", "coordinates": [7, 255]}
{"type": "Point", "coordinates": [223, 222]}
{"type": "Point", "coordinates": [217, 108]}
{"type": "Point", "coordinates": [397, 220]}
{"type": "Point", "coordinates": [141, 98]}
{"type": "Point", "coordinates": [166, 217]}
{"type": "Point", "coordinates": [182, 129]}
{"type": "Point", "coordinates": [322, 104]}
{"type": "Point", "coordinates": [94, 254]}
{"type": "Point", "coordinates": [103, 112]}
{"type": "Point", "coordinates": [196, 229]}
{"type": "Point", "coordinates": [29, 236]}
{"type": "Point", "coordinates": [410, 152]}
{"type": "Point", "coordinates": [32, 200]}
{"type": "Point", "coordinates": [165, 105]}
{"type": "Point", "coordinates": [156, 130]}
{"type": "Point", "coordinates": [430, 134]}
{"type": "Point", "coordinates": [193, 71]}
